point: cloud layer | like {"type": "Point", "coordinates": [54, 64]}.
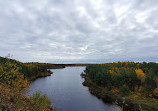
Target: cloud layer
{"type": "Point", "coordinates": [79, 30]}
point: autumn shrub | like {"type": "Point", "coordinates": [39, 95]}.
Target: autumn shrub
{"type": "Point", "coordinates": [155, 93]}
{"type": "Point", "coordinates": [12, 84]}
{"type": "Point", "coordinates": [40, 102]}
{"type": "Point", "coordinates": [115, 90]}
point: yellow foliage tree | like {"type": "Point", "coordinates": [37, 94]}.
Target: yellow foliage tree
{"type": "Point", "coordinates": [155, 92]}
{"type": "Point", "coordinates": [140, 74]}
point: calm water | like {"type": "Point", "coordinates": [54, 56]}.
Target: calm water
{"type": "Point", "coordinates": [64, 87]}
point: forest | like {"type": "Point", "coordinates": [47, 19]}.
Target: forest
{"type": "Point", "coordinates": [129, 76]}
{"type": "Point", "coordinates": [135, 81]}
{"type": "Point", "coordinates": [15, 78]}
{"type": "Point", "coordinates": [127, 79]}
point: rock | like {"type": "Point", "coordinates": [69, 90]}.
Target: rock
{"type": "Point", "coordinates": [51, 107]}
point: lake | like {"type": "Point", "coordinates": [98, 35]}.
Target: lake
{"type": "Point", "coordinates": [64, 87]}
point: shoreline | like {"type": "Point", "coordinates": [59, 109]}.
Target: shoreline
{"type": "Point", "coordinates": [125, 103]}
{"type": "Point", "coordinates": [44, 74]}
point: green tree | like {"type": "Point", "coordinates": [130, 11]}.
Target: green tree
{"type": "Point", "coordinates": [124, 90]}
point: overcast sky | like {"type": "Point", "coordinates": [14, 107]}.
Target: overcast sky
{"type": "Point", "coordinates": [67, 31]}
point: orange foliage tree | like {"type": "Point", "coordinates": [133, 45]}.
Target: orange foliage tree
{"type": "Point", "coordinates": [140, 74]}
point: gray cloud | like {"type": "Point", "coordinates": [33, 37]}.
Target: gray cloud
{"type": "Point", "coordinates": [79, 30]}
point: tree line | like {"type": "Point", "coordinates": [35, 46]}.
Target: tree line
{"type": "Point", "coordinates": [126, 77]}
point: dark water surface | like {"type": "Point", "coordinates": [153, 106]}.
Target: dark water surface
{"type": "Point", "coordinates": [64, 87]}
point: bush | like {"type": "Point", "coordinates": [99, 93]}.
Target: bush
{"type": "Point", "coordinates": [124, 90]}
{"type": "Point", "coordinates": [155, 93]}
{"type": "Point", "coordinates": [109, 86]}
{"type": "Point", "coordinates": [40, 102]}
